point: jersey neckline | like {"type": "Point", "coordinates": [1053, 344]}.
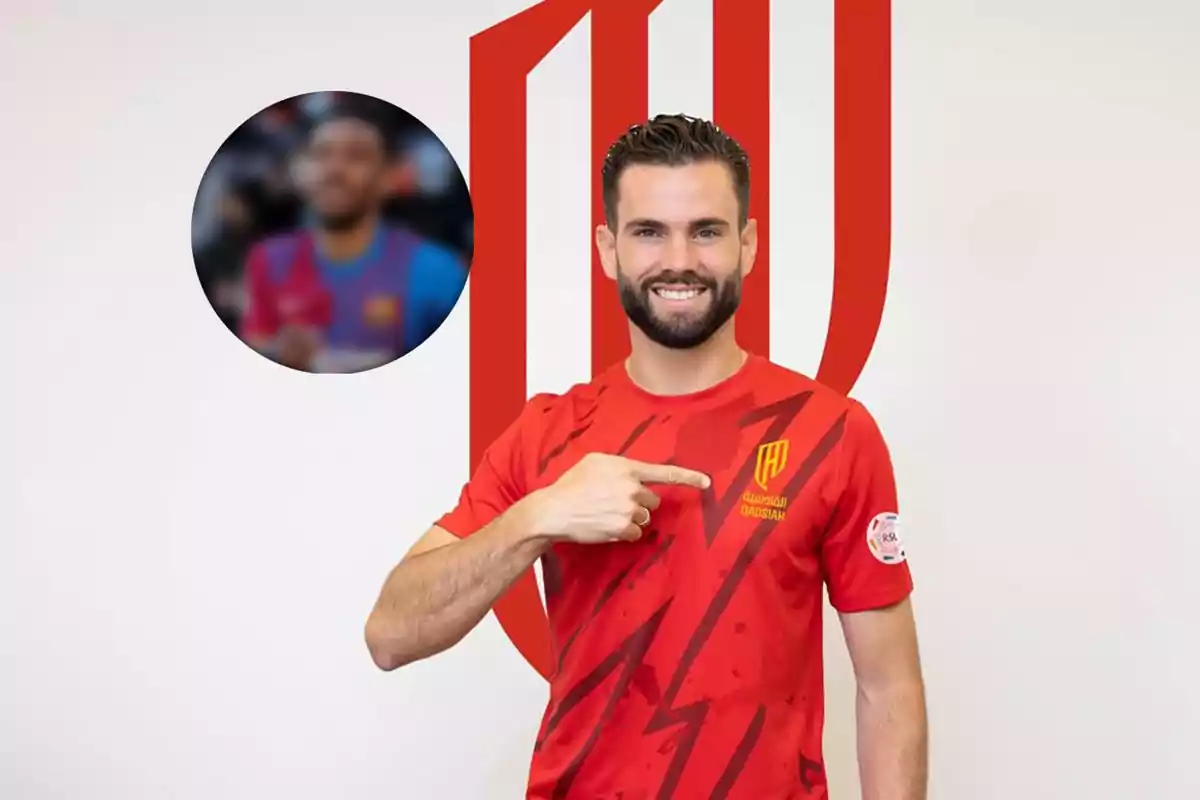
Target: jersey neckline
{"type": "Point", "coordinates": [734, 384]}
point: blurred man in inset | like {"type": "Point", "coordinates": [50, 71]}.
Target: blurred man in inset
{"type": "Point", "coordinates": [349, 292]}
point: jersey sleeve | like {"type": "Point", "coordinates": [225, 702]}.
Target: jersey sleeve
{"type": "Point", "coordinates": [499, 480]}
{"type": "Point", "coordinates": [261, 319]}
{"type": "Point", "coordinates": [438, 278]}
{"type": "Point", "coordinates": [862, 554]}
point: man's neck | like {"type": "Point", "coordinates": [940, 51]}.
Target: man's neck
{"type": "Point", "coordinates": [348, 243]}
{"type": "Point", "coordinates": [664, 371]}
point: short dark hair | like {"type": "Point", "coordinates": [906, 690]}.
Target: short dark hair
{"type": "Point", "coordinates": [675, 140]}
{"type": "Point", "coordinates": [363, 114]}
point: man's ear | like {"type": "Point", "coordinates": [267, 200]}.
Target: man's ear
{"type": "Point", "coordinates": [606, 246]}
{"type": "Point", "coordinates": [748, 241]}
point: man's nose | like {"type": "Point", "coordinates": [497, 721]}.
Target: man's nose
{"type": "Point", "coordinates": [679, 252]}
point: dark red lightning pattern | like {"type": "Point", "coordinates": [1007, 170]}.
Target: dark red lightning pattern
{"type": "Point", "coordinates": [692, 716]}
{"type": "Point", "coordinates": [630, 655]}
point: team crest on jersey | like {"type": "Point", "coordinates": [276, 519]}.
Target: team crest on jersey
{"type": "Point", "coordinates": [883, 538]}
{"type": "Point", "coordinates": [769, 462]}
{"type": "Point", "coordinates": [381, 311]}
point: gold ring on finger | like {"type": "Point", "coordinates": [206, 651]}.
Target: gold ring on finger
{"type": "Point", "coordinates": [645, 520]}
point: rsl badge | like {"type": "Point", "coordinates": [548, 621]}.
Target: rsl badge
{"type": "Point", "coordinates": [883, 537]}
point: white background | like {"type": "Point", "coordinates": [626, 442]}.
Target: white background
{"type": "Point", "coordinates": [190, 537]}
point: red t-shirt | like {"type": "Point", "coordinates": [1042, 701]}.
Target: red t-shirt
{"type": "Point", "coordinates": [689, 662]}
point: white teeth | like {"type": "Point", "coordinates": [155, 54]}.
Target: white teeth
{"type": "Point", "coordinates": [677, 294]}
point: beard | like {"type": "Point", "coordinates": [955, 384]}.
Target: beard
{"type": "Point", "coordinates": [337, 215]}
{"type": "Point", "coordinates": [339, 221]}
{"type": "Point", "coordinates": [680, 331]}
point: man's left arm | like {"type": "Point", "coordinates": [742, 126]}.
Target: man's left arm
{"type": "Point", "coordinates": [869, 582]}
{"type": "Point", "coordinates": [890, 703]}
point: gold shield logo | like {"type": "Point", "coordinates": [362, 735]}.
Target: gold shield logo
{"type": "Point", "coordinates": [772, 458]}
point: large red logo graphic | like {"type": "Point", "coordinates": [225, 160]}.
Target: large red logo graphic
{"type": "Point", "coordinates": [503, 56]}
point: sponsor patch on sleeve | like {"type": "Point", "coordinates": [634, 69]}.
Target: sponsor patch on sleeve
{"type": "Point", "coordinates": [883, 538]}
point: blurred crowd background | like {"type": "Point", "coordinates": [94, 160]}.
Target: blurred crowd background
{"type": "Point", "coordinates": [248, 192]}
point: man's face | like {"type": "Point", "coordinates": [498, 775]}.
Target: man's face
{"type": "Point", "coordinates": [345, 171]}
{"type": "Point", "coordinates": [676, 251]}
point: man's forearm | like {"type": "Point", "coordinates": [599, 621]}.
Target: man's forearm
{"type": "Point", "coordinates": [433, 599]}
{"type": "Point", "coordinates": [893, 742]}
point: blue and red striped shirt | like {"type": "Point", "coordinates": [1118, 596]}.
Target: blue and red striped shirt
{"type": "Point", "coordinates": [371, 309]}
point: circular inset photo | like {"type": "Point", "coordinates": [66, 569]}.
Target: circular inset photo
{"type": "Point", "coordinates": [332, 232]}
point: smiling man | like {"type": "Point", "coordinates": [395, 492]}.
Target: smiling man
{"type": "Point", "coordinates": [688, 507]}
{"type": "Point", "coordinates": [349, 292]}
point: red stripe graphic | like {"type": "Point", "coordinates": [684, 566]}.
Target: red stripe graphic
{"type": "Point", "coordinates": [502, 57]}
{"type": "Point", "coordinates": [742, 107]}
{"type": "Point", "coordinates": [620, 98]}
{"type": "Point", "coordinates": [862, 185]}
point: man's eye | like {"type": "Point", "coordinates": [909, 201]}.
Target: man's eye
{"type": "Point", "coordinates": [707, 233]}
{"type": "Point", "coordinates": [645, 232]}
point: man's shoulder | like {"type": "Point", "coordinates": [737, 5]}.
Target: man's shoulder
{"type": "Point", "coordinates": [567, 402]}
{"type": "Point", "coordinates": [434, 268]}
{"type": "Point", "coordinates": [276, 254]}
{"type": "Point", "coordinates": [431, 253]}
{"type": "Point", "coordinates": [545, 412]}
{"type": "Point", "coordinates": [282, 243]}
{"type": "Point", "coordinates": [776, 381]}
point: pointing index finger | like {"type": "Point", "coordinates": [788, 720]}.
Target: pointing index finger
{"type": "Point", "coordinates": [665, 473]}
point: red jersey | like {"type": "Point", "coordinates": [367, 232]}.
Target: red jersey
{"type": "Point", "coordinates": [689, 662]}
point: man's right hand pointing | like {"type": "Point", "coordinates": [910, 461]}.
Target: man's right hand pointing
{"type": "Point", "coordinates": [604, 498]}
